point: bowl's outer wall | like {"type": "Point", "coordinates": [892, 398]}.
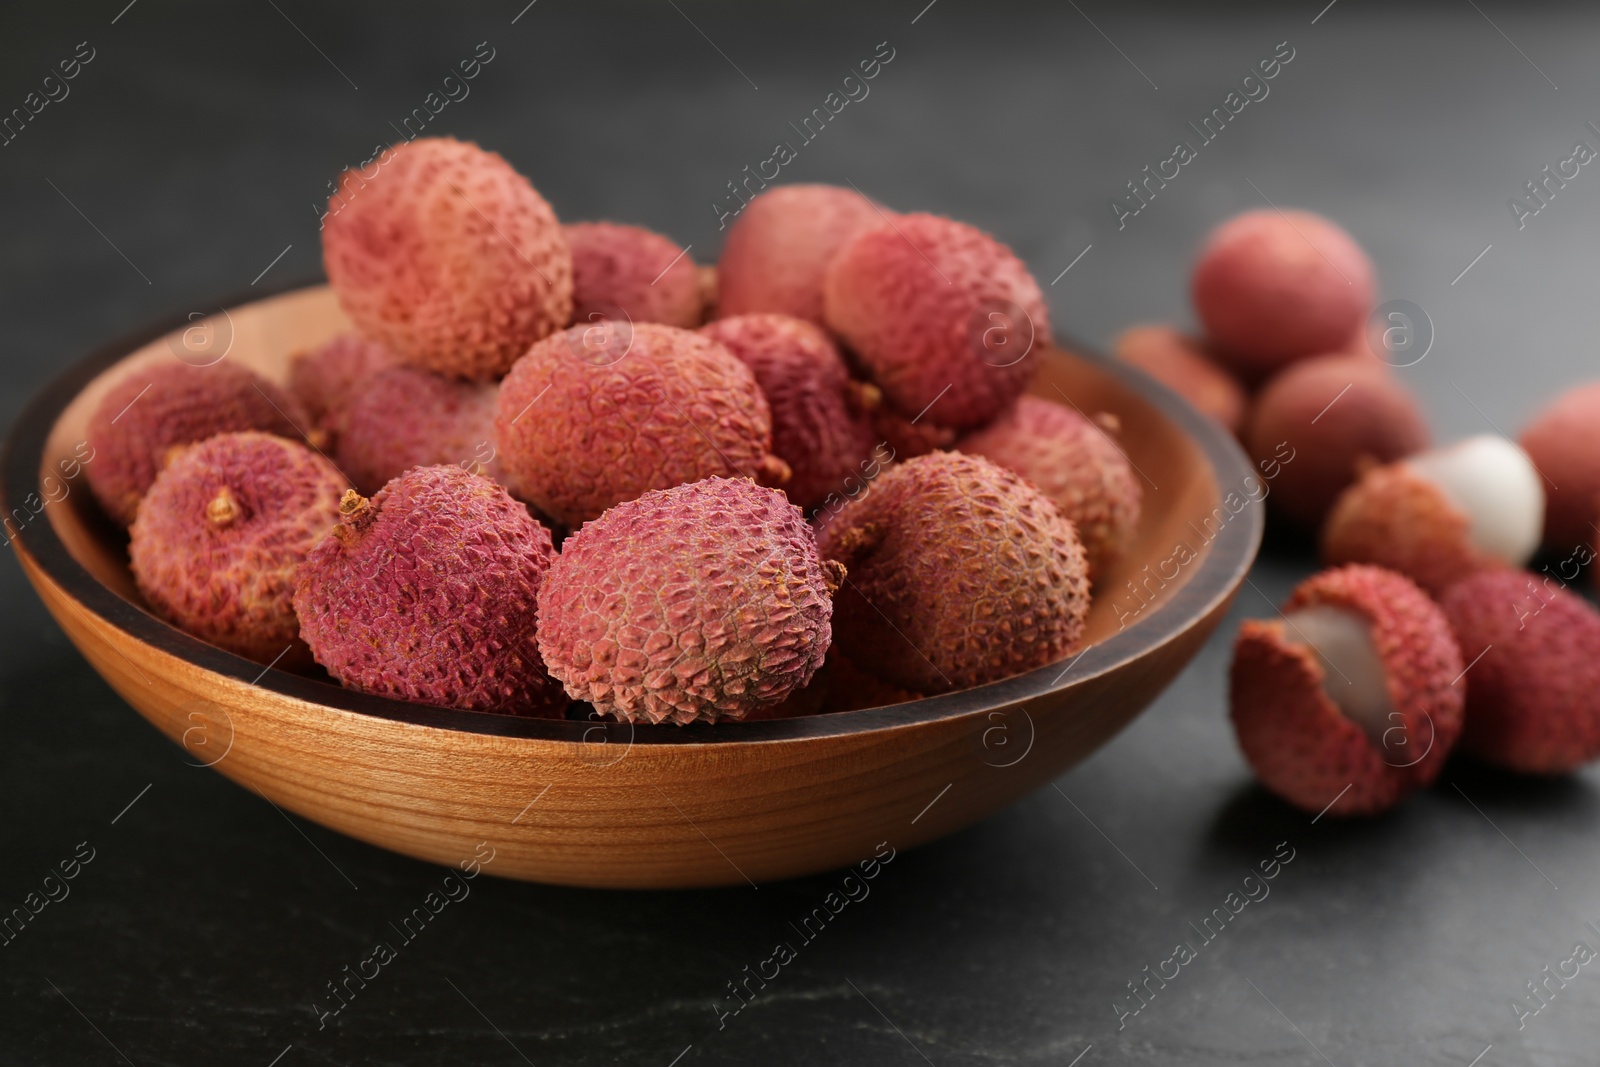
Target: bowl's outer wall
{"type": "Point", "coordinates": [618, 806]}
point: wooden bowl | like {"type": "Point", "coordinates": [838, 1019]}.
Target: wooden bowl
{"type": "Point", "coordinates": [595, 804]}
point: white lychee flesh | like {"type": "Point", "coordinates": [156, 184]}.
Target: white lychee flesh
{"type": "Point", "coordinates": [1352, 671]}
{"type": "Point", "coordinates": [1494, 483]}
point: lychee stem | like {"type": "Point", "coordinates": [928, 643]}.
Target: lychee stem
{"type": "Point", "coordinates": [833, 575]}
{"type": "Point", "coordinates": [356, 513]}
{"type": "Point", "coordinates": [772, 471]}
{"type": "Point", "coordinates": [223, 508]}
{"type": "Point", "coordinates": [864, 397]}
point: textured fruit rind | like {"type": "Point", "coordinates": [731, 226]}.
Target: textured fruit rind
{"type": "Point", "coordinates": [428, 592]}
{"type": "Point", "coordinates": [326, 378]}
{"type": "Point", "coordinates": [918, 300]}
{"type": "Point", "coordinates": [646, 275]}
{"type": "Point", "coordinates": [1563, 441]}
{"type": "Point", "coordinates": [1533, 697]}
{"type": "Point", "coordinates": [821, 425]}
{"type": "Point", "coordinates": [1182, 365]}
{"type": "Point", "coordinates": [1074, 463]}
{"type": "Point", "coordinates": [1298, 742]}
{"type": "Point", "coordinates": [959, 573]}
{"type": "Point", "coordinates": [703, 602]}
{"type": "Point", "coordinates": [447, 256]}
{"type": "Point", "coordinates": [407, 417]}
{"type": "Point", "coordinates": [221, 533]}
{"type": "Point", "coordinates": [573, 437]}
{"type": "Point", "coordinates": [1397, 519]}
{"type": "Point", "coordinates": [779, 247]}
{"type": "Point", "coordinates": [149, 412]}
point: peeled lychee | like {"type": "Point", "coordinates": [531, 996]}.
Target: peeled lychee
{"type": "Point", "coordinates": [598, 415]}
{"type": "Point", "coordinates": [780, 245]}
{"type": "Point", "coordinates": [1182, 365]}
{"type": "Point", "coordinates": [407, 417]}
{"type": "Point", "coordinates": [326, 378]}
{"type": "Point", "coordinates": [943, 317]}
{"type": "Point", "coordinates": [220, 534]}
{"type": "Point", "coordinates": [1563, 440]}
{"type": "Point", "coordinates": [1075, 463]}
{"type": "Point", "coordinates": [821, 419]}
{"type": "Point", "coordinates": [1533, 692]}
{"type": "Point", "coordinates": [1441, 515]}
{"type": "Point", "coordinates": [958, 573]}
{"type": "Point", "coordinates": [447, 256]}
{"type": "Point", "coordinates": [150, 411]}
{"type": "Point", "coordinates": [1274, 286]}
{"type": "Point", "coordinates": [702, 602]}
{"type": "Point", "coordinates": [1320, 421]}
{"type": "Point", "coordinates": [428, 592]}
{"type": "Point", "coordinates": [631, 272]}
{"type": "Point", "coordinates": [1348, 701]}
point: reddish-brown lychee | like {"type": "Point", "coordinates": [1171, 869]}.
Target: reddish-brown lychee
{"type": "Point", "coordinates": [407, 417]}
{"type": "Point", "coordinates": [633, 273]}
{"type": "Point", "coordinates": [1563, 441]}
{"type": "Point", "coordinates": [1182, 364]}
{"type": "Point", "coordinates": [326, 378]}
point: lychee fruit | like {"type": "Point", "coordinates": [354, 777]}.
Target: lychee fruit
{"type": "Point", "coordinates": [847, 687]}
{"type": "Point", "coordinates": [1075, 463]}
{"type": "Point", "coordinates": [428, 592]}
{"type": "Point", "coordinates": [326, 378]}
{"type": "Point", "coordinates": [633, 273]}
{"type": "Point", "coordinates": [944, 318]}
{"type": "Point", "coordinates": [598, 415]}
{"type": "Point", "coordinates": [1563, 441]}
{"type": "Point", "coordinates": [220, 534]}
{"type": "Point", "coordinates": [152, 410]}
{"type": "Point", "coordinates": [907, 436]}
{"type": "Point", "coordinates": [959, 573]}
{"type": "Point", "coordinates": [447, 256]}
{"type": "Point", "coordinates": [702, 602]}
{"type": "Point", "coordinates": [406, 417]}
{"type": "Point", "coordinates": [780, 245]}
{"type": "Point", "coordinates": [1440, 515]}
{"type": "Point", "coordinates": [1275, 286]}
{"type": "Point", "coordinates": [1533, 689]}
{"type": "Point", "coordinates": [821, 419]}
{"type": "Point", "coordinates": [1316, 424]}
{"type": "Point", "coordinates": [1347, 701]}
{"type": "Point", "coordinates": [1182, 364]}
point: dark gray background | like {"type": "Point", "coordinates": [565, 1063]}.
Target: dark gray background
{"type": "Point", "coordinates": [198, 141]}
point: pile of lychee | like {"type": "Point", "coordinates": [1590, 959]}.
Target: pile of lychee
{"type": "Point", "coordinates": [559, 470]}
{"type": "Point", "coordinates": [1428, 634]}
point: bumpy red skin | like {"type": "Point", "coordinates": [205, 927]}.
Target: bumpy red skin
{"type": "Point", "coordinates": [227, 576]}
{"type": "Point", "coordinates": [917, 301]}
{"type": "Point", "coordinates": [1533, 699]}
{"type": "Point", "coordinates": [1275, 287]}
{"type": "Point", "coordinates": [959, 573]}
{"type": "Point", "coordinates": [678, 407]}
{"type": "Point", "coordinates": [1073, 462]}
{"type": "Point", "coordinates": [821, 420]}
{"type": "Point", "coordinates": [1297, 741]}
{"type": "Point", "coordinates": [447, 256]}
{"type": "Point", "coordinates": [325, 379]}
{"type": "Point", "coordinates": [1563, 440]}
{"type": "Point", "coordinates": [637, 270]}
{"type": "Point", "coordinates": [429, 591]}
{"type": "Point", "coordinates": [1301, 413]}
{"type": "Point", "coordinates": [406, 417]}
{"type": "Point", "coordinates": [152, 410]}
{"type": "Point", "coordinates": [780, 245]}
{"type": "Point", "coordinates": [1395, 518]}
{"type": "Point", "coordinates": [704, 602]}
{"type": "Point", "coordinates": [1182, 365]}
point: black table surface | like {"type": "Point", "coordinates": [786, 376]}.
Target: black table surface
{"type": "Point", "coordinates": [189, 157]}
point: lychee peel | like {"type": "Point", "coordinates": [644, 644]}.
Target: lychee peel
{"type": "Point", "coordinates": [939, 313]}
{"type": "Point", "coordinates": [220, 534]}
{"type": "Point", "coordinates": [959, 573]}
{"type": "Point", "coordinates": [630, 272]}
{"type": "Point", "coordinates": [1533, 690]}
{"type": "Point", "coordinates": [428, 592]}
{"type": "Point", "coordinates": [1075, 463]}
{"type": "Point", "coordinates": [821, 419]}
{"type": "Point", "coordinates": [406, 417]}
{"type": "Point", "coordinates": [151, 411]}
{"type": "Point", "coordinates": [1182, 364]}
{"type": "Point", "coordinates": [663, 407]}
{"type": "Point", "coordinates": [448, 257]}
{"type": "Point", "coordinates": [326, 378]}
{"type": "Point", "coordinates": [1315, 725]}
{"type": "Point", "coordinates": [703, 602]}
{"type": "Point", "coordinates": [1563, 442]}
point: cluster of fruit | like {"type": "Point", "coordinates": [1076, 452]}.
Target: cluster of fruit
{"type": "Point", "coordinates": [1427, 634]}
{"type": "Point", "coordinates": [562, 463]}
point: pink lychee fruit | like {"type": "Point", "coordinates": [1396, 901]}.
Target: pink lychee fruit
{"type": "Point", "coordinates": [1182, 364]}
{"type": "Point", "coordinates": [406, 417]}
{"type": "Point", "coordinates": [1563, 441]}
{"type": "Point", "coordinates": [326, 378]}
{"type": "Point", "coordinates": [629, 272]}
{"type": "Point", "coordinates": [1349, 700]}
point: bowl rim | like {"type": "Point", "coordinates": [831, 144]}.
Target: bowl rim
{"type": "Point", "coordinates": [1223, 568]}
